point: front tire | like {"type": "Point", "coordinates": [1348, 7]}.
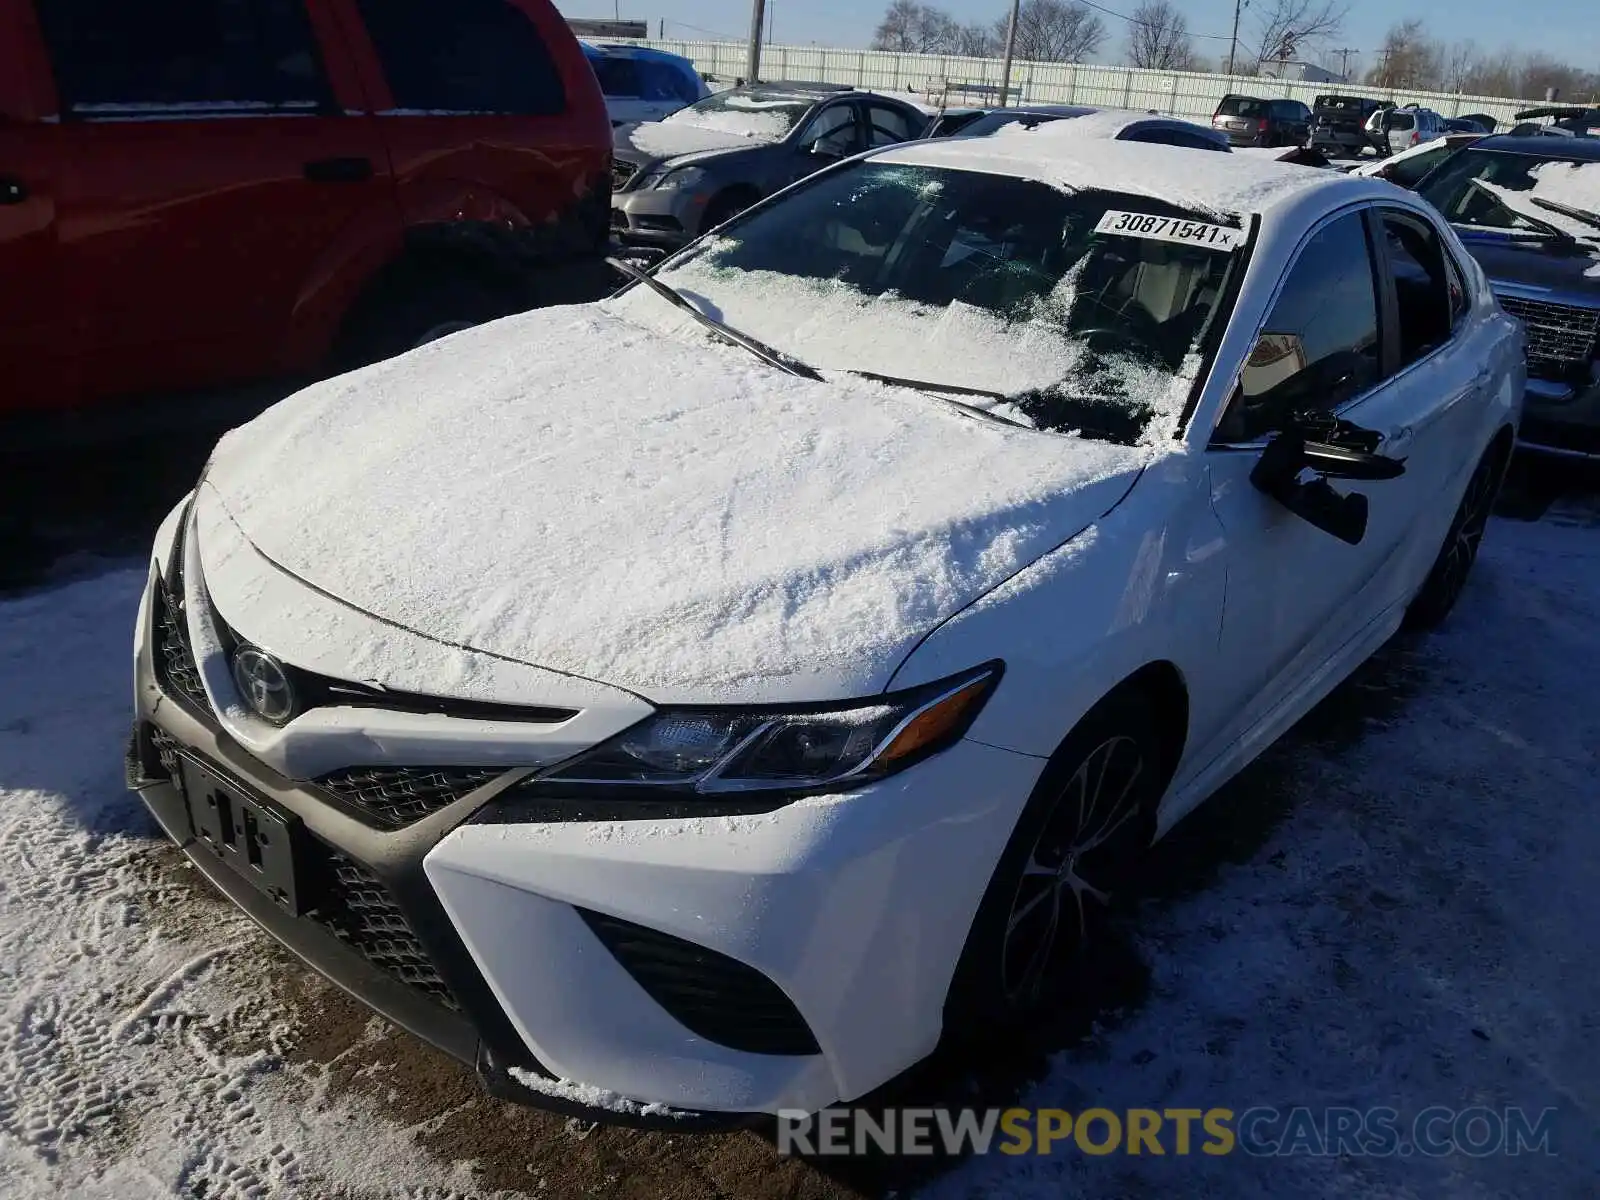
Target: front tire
{"type": "Point", "coordinates": [1447, 579]}
{"type": "Point", "coordinates": [1090, 817]}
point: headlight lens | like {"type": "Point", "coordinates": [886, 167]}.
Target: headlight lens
{"type": "Point", "coordinates": [713, 751]}
{"type": "Point", "coordinates": [682, 179]}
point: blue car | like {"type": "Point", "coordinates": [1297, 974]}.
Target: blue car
{"type": "Point", "coordinates": [642, 84]}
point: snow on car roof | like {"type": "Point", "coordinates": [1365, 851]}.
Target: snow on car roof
{"type": "Point", "coordinates": [1200, 180]}
{"type": "Point", "coordinates": [1084, 123]}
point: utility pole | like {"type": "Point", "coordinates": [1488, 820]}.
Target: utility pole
{"type": "Point", "coordinates": [752, 67]}
{"type": "Point", "coordinates": [1344, 54]}
{"type": "Point", "coordinates": [1011, 48]}
{"type": "Point", "coordinates": [1233, 44]}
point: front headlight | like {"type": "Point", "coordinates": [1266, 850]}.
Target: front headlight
{"type": "Point", "coordinates": [712, 751]}
{"type": "Point", "coordinates": [683, 179]}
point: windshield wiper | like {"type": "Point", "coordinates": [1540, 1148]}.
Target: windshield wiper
{"type": "Point", "coordinates": [721, 328]}
{"type": "Point", "coordinates": [947, 392]}
{"type": "Point", "coordinates": [1544, 227]}
{"type": "Point", "coordinates": [1566, 210]}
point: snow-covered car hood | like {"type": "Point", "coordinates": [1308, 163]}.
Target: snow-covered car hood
{"type": "Point", "coordinates": [653, 142]}
{"type": "Point", "coordinates": [658, 512]}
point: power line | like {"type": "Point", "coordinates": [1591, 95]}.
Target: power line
{"type": "Point", "coordinates": [1111, 12]}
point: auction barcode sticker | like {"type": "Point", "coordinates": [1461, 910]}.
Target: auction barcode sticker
{"type": "Point", "coordinates": [1170, 229]}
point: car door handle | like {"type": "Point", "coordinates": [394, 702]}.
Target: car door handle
{"type": "Point", "coordinates": [339, 170]}
{"type": "Point", "coordinates": [12, 191]}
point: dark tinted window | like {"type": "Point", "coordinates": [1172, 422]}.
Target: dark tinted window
{"type": "Point", "coordinates": [1401, 121]}
{"type": "Point", "coordinates": [467, 56]}
{"type": "Point", "coordinates": [889, 125]}
{"type": "Point", "coordinates": [1408, 172]}
{"type": "Point", "coordinates": [1527, 193]}
{"type": "Point", "coordinates": [618, 76]}
{"type": "Point", "coordinates": [1422, 284]}
{"type": "Point", "coordinates": [1242, 106]}
{"type": "Point", "coordinates": [835, 131]}
{"type": "Point", "coordinates": [244, 54]}
{"type": "Point", "coordinates": [1174, 137]}
{"type": "Point", "coordinates": [1319, 347]}
{"type": "Point", "coordinates": [663, 81]}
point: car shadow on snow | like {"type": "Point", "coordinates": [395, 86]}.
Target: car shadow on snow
{"type": "Point", "coordinates": [1231, 827]}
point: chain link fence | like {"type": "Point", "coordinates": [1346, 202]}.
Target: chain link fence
{"type": "Point", "coordinates": [1175, 93]}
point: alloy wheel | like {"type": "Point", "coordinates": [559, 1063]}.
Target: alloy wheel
{"type": "Point", "coordinates": [1466, 531]}
{"type": "Point", "coordinates": [1090, 833]}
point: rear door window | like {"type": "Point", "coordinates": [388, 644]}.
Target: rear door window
{"type": "Point", "coordinates": [112, 57]}
{"type": "Point", "coordinates": [888, 125]}
{"type": "Point", "coordinates": [468, 56]}
{"type": "Point", "coordinates": [619, 77]}
{"type": "Point", "coordinates": [1422, 284]}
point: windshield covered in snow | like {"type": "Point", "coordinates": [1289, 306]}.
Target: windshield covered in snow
{"type": "Point", "coordinates": [1067, 312]}
{"type": "Point", "coordinates": [763, 115]}
{"type": "Point", "coordinates": [1526, 194]}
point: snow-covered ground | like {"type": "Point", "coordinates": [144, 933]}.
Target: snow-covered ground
{"type": "Point", "coordinates": [1418, 929]}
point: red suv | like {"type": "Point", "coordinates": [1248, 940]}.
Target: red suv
{"type": "Point", "coordinates": [199, 193]}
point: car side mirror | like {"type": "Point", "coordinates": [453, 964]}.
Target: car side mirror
{"type": "Point", "coordinates": [1347, 452]}
{"type": "Point", "coordinates": [820, 149]}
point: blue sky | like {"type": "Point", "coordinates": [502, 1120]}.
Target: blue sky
{"type": "Point", "coordinates": [1567, 29]}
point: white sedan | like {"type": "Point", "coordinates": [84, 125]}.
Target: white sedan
{"type": "Point", "coordinates": [701, 701]}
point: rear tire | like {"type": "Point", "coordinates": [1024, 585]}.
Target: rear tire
{"type": "Point", "coordinates": [725, 208]}
{"type": "Point", "coordinates": [1447, 578]}
{"type": "Point", "coordinates": [1090, 817]}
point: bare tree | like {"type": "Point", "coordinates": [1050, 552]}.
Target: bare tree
{"type": "Point", "coordinates": [1408, 59]}
{"type": "Point", "coordinates": [910, 27]}
{"type": "Point", "coordinates": [974, 41]}
{"type": "Point", "coordinates": [1158, 36]}
{"type": "Point", "coordinates": [1287, 29]}
{"type": "Point", "coordinates": [1054, 31]}
{"type": "Point", "coordinates": [1457, 63]}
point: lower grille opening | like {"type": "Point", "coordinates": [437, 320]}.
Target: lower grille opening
{"type": "Point", "coordinates": [358, 909]}
{"type": "Point", "coordinates": [709, 994]}
{"type": "Point", "coordinates": [176, 670]}
{"type": "Point", "coordinates": [393, 797]}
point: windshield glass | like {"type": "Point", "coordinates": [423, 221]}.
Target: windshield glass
{"type": "Point", "coordinates": [1353, 104]}
{"type": "Point", "coordinates": [1520, 193]}
{"type": "Point", "coordinates": [1242, 106]}
{"type": "Point", "coordinates": [974, 283]}
{"type": "Point", "coordinates": [766, 116]}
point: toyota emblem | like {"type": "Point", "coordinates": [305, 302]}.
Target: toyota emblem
{"type": "Point", "coordinates": [264, 684]}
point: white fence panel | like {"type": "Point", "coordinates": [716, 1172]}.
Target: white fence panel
{"type": "Point", "coordinates": [1179, 93]}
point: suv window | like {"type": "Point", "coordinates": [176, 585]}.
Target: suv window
{"type": "Point", "coordinates": [1242, 106]}
{"type": "Point", "coordinates": [468, 56]}
{"type": "Point", "coordinates": [1401, 121]}
{"type": "Point", "coordinates": [163, 54]}
{"type": "Point", "coordinates": [889, 125]}
{"type": "Point", "coordinates": [1319, 347]}
{"type": "Point", "coordinates": [618, 76]}
{"type": "Point", "coordinates": [664, 82]}
{"type": "Point", "coordinates": [1422, 284]}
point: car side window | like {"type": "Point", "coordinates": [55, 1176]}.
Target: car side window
{"type": "Point", "coordinates": [834, 132]}
{"type": "Point", "coordinates": [619, 77]}
{"type": "Point", "coordinates": [888, 126]}
{"type": "Point", "coordinates": [1408, 172]}
{"type": "Point", "coordinates": [111, 56]}
{"type": "Point", "coordinates": [468, 56]}
{"type": "Point", "coordinates": [1173, 137]}
{"type": "Point", "coordinates": [1421, 284]}
{"type": "Point", "coordinates": [1319, 347]}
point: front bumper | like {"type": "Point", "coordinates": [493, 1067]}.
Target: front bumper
{"type": "Point", "coordinates": [1562, 420]}
{"type": "Point", "coordinates": [490, 930]}
{"type": "Point", "coordinates": [657, 216]}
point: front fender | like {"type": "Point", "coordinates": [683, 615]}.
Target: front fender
{"type": "Point", "coordinates": [1144, 584]}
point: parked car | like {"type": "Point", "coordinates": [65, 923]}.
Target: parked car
{"type": "Point", "coordinates": [1339, 124]}
{"type": "Point", "coordinates": [274, 194]}
{"type": "Point", "coordinates": [1528, 209]}
{"type": "Point", "coordinates": [1483, 121]}
{"type": "Point", "coordinates": [1560, 120]}
{"type": "Point", "coordinates": [1404, 127]}
{"type": "Point", "coordinates": [1299, 156]}
{"type": "Point", "coordinates": [1407, 168]}
{"type": "Point", "coordinates": [1111, 124]}
{"type": "Point", "coordinates": [949, 121]}
{"type": "Point", "coordinates": [641, 84]}
{"type": "Point", "coordinates": [1463, 125]}
{"type": "Point", "coordinates": [1253, 121]}
{"type": "Point", "coordinates": [698, 703]}
{"type": "Point", "coordinates": [677, 178]}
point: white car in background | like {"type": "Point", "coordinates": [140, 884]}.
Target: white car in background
{"type": "Point", "coordinates": [697, 703]}
{"type": "Point", "coordinates": [642, 84]}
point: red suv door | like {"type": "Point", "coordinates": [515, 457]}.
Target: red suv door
{"type": "Point", "coordinates": [213, 157]}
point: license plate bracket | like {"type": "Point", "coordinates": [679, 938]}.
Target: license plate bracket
{"type": "Point", "coordinates": [249, 835]}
